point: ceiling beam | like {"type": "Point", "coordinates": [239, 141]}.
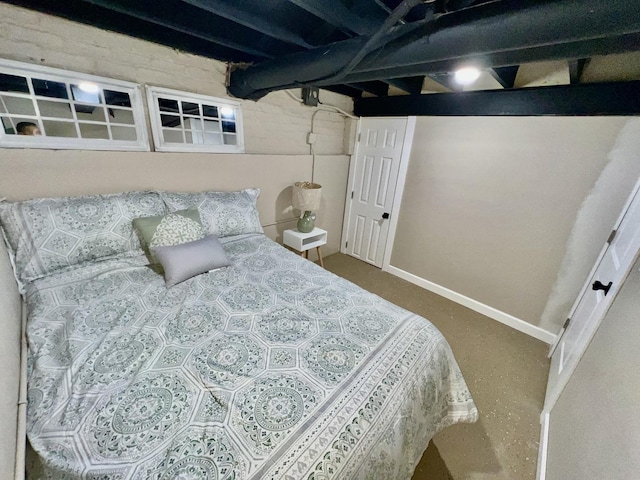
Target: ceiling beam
{"type": "Point", "coordinates": [242, 16]}
{"type": "Point", "coordinates": [141, 12]}
{"type": "Point", "coordinates": [345, 90]}
{"type": "Point", "coordinates": [505, 76]}
{"type": "Point", "coordinates": [576, 68]}
{"type": "Point", "coordinates": [411, 85]}
{"type": "Point", "coordinates": [589, 99]}
{"type": "Point", "coordinates": [554, 28]}
{"type": "Point", "coordinates": [446, 81]}
{"type": "Point", "coordinates": [100, 17]}
{"type": "Point", "coordinates": [379, 89]}
{"type": "Point", "coordinates": [335, 13]}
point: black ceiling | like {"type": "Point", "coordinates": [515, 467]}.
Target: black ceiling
{"type": "Point", "coordinates": [356, 46]}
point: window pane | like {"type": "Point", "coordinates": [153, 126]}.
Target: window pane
{"type": "Point", "coordinates": [118, 115]}
{"type": "Point", "coordinates": [209, 138]}
{"type": "Point", "coordinates": [59, 129]}
{"type": "Point", "coordinates": [13, 83]}
{"type": "Point", "coordinates": [230, 139]}
{"type": "Point", "coordinates": [55, 109]}
{"type": "Point", "coordinates": [124, 133]}
{"type": "Point", "coordinates": [229, 127]}
{"type": "Point", "coordinates": [167, 105]}
{"type": "Point", "coordinates": [228, 113]}
{"type": "Point", "coordinates": [190, 108]}
{"type": "Point", "coordinates": [81, 95]}
{"type": "Point", "coordinates": [211, 126]}
{"type": "Point", "coordinates": [170, 121]}
{"type": "Point", "coordinates": [48, 88]}
{"type": "Point", "coordinates": [90, 130]}
{"type": "Point", "coordinates": [120, 99]}
{"type": "Point", "coordinates": [90, 112]}
{"type": "Point", "coordinates": [209, 111]}
{"type": "Point", "coordinates": [212, 139]}
{"type": "Point", "coordinates": [172, 136]}
{"type": "Point", "coordinates": [7, 127]}
{"type": "Point", "coordinates": [29, 127]}
{"type": "Point", "coordinates": [17, 105]}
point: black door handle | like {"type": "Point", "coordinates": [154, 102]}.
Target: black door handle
{"type": "Point", "coordinates": [597, 285]}
{"type": "Point", "coordinates": [385, 215]}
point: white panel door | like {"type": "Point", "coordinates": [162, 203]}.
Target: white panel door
{"type": "Point", "coordinates": [374, 177]}
{"type": "Point", "coordinates": [594, 300]}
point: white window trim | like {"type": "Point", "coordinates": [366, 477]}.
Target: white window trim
{"type": "Point", "coordinates": [153, 93]}
{"type": "Point", "coordinates": [63, 143]}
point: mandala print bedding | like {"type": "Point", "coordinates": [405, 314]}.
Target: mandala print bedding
{"type": "Point", "coordinates": [270, 368]}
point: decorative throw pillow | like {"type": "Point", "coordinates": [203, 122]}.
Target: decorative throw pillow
{"type": "Point", "coordinates": [173, 228]}
{"type": "Point", "coordinates": [182, 262]}
{"type": "Point", "coordinates": [223, 213]}
{"type": "Point", "coordinates": [49, 234]}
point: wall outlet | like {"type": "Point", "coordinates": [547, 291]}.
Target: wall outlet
{"type": "Point", "coordinates": [310, 96]}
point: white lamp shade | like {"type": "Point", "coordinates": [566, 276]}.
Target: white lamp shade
{"type": "Point", "coordinates": [306, 196]}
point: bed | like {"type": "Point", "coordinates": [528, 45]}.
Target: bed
{"type": "Point", "coordinates": [143, 362]}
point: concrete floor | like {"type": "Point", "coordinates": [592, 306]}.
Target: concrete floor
{"type": "Point", "coordinates": [505, 370]}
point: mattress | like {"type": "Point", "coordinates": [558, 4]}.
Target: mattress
{"type": "Point", "coordinates": [270, 368]}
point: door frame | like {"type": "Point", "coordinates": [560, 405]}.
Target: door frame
{"type": "Point", "coordinates": [407, 143]}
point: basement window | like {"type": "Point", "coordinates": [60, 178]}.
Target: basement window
{"type": "Point", "coordinates": [42, 107]}
{"type": "Point", "coordinates": [187, 122]}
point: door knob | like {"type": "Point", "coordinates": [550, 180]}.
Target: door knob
{"type": "Point", "coordinates": [385, 215]}
{"type": "Point", "coordinates": [597, 285]}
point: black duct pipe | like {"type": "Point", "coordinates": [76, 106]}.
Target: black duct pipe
{"type": "Point", "coordinates": [514, 31]}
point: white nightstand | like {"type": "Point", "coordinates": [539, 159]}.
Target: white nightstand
{"type": "Point", "coordinates": [303, 242]}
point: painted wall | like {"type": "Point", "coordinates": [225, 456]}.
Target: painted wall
{"type": "Point", "coordinates": [595, 425]}
{"type": "Point", "coordinates": [276, 127]}
{"type": "Point", "coordinates": [490, 205]}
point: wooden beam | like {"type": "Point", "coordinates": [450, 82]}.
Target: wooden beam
{"type": "Point", "coordinates": [616, 98]}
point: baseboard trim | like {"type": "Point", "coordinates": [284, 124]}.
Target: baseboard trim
{"type": "Point", "coordinates": [502, 317]}
{"type": "Point", "coordinates": [544, 445]}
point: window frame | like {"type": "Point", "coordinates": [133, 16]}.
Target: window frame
{"type": "Point", "coordinates": [69, 78]}
{"type": "Point", "coordinates": [160, 145]}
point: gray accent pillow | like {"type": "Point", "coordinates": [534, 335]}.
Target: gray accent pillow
{"type": "Point", "coordinates": [182, 262]}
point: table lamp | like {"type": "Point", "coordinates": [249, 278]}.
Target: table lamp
{"type": "Point", "coordinates": [306, 198]}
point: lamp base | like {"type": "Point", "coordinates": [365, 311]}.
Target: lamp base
{"type": "Point", "coordinates": [307, 222]}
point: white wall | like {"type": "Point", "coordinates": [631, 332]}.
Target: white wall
{"type": "Point", "coordinates": [594, 429]}
{"type": "Point", "coordinates": [275, 127]}
{"type": "Point", "coordinates": [490, 205]}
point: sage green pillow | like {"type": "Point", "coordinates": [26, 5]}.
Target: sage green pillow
{"type": "Point", "coordinates": [174, 228]}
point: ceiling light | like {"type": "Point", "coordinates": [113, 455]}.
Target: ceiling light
{"type": "Point", "coordinates": [226, 111]}
{"type": "Point", "coordinates": [467, 75]}
{"type": "Point", "coordinates": [89, 87]}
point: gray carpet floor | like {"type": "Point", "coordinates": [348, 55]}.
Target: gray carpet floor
{"type": "Point", "coordinates": [505, 370]}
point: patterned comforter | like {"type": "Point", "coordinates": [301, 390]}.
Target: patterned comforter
{"type": "Point", "coordinates": [272, 368]}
